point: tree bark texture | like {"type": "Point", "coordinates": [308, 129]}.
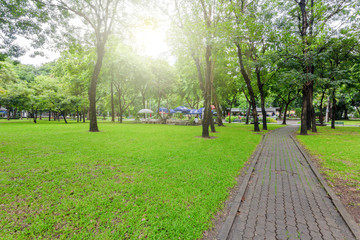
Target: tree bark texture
{"type": "Point", "coordinates": [250, 89]}
{"type": "Point", "coordinates": [333, 109]}
{"type": "Point", "coordinates": [262, 97]}
{"type": "Point", "coordinates": [100, 51]}
{"type": "Point", "coordinates": [304, 112]}
{"type": "Point", "coordinates": [207, 111]}
{"type": "Point", "coordinates": [112, 102]}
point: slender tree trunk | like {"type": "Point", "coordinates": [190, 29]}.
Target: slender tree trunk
{"type": "Point", "coordinates": [100, 51]}
{"type": "Point", "coordinates": [321, 116]}
{"type": "Point", "coordinates": [250, 89]}
{"type": "Point", "coordinates": [64, 116]}
{"type": "Point", "coordinates": [40, 117]}
{"type": "Point", "coordinates": [8, 114]}
{"type": "Point", "coordinates": [35, 116]}
{"type": "Point", "coordinates": [207, 112]}
{"type": "Point", "coordinates": [84, 114]}
{"type": "Point", "coordinates": [262, 97]}
{"type": "Point", "coordinates": [346, 113]}
{"type": "Point", "coordinates": [285, 113]}
{"type": "Point", "coordinates": [21, 115]}
{"type": "Point", "coordinates": [77, 114]}
{"type": "Point", "coordinates": [218, 110]}
{"type": "Point", "coordinates": [49, 115]}
{"type": "Point", "coordinates": [120, 108]}
{"type": "Point", "coordinates": [303, 130]}
{"type": "Point", "coordinates": [333, 109]}
{"type": "Point", "coordinates": [312, 109]}
{"type": "Point", "coordinates": [327, 109]}
{"type": "Point", "coordinates": [358, 110]}
{"type": "Point", "coordinates": [112, 102]}
{"type": "Point", "coordinates": [248, 114]}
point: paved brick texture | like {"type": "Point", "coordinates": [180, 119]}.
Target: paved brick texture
{"type": "Point", "coordinates": [284, 199]}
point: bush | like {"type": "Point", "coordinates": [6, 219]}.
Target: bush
{"type": "Point", "coordinates": [232, 118]}
{"type": "Point", "coordinates": [268, 120]}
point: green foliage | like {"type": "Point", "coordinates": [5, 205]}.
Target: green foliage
{"type": "Point", "coordinates": [298, 112]}
{"type": "Point", "coordinates": [232, 118]}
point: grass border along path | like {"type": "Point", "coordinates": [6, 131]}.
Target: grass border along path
{"type": "Point", "coordinates": [337, 154]}
{"type": "Point", "coordinates": [128, 181]}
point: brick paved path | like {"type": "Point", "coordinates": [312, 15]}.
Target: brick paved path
{"type": "Point", "coordinates": [284, 199]}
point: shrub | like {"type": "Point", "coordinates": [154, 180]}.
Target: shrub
{"type": "Point", "coordinates": [232, 118]}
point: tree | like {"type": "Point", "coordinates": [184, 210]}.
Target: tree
{"type": "Point", "coordinates": [313, 24]}
{"type": "Point", "coordinates": [100, 16]}
{"type": "Point", "coordinates": [197, 23]}
{"type": "Point", "coordinates": [32, 19]}
{"type": "Point", "coordinates": [74, 68]}
{"type": "Point", "coordinates": [163, 82]}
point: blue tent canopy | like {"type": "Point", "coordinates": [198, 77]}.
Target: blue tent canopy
{"type": "Point", "coordinates": [162, 109]}
{"type": "Point", "coordinates": [172, 111]}
{"type": "Point", "coordinates": [182, 109]}
{"type": "Point", "coordinates": [194, 111]}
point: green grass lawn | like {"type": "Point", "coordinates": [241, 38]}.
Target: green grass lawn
{"type": "Point", "coordinates": [347, 122]}
{"type": "Point", "coordinates": [338, 150]}
{"type": "Point", "coordinates": [128, 181]}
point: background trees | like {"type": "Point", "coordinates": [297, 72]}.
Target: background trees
{"type": "Point", "coordinates": [226, 52]}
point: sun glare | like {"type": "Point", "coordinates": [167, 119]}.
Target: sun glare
{"type": "Point", "coordinates": [151, 41]}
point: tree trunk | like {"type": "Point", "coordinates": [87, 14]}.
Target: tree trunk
{"type": "Point", "coordinates": [49, 115]}
{"type": "Point", "coordinates": [77, 114]}
{"type": "Point", "coordinates": [248, 114]}
{"type": "Point", "coordinates": [285, 113]}
{"type": "Point", "coordinates": [100, 51]}
{"type": "Point", "coordinates": [64, 116]}
{"type": "Point", "coordinates": [333, 109]}
{"type": "Point", "coordinates": [120, 109]}
{"type": "Point", "coordinates": [358, 110]}
{"type": "Point", "coordinates": [305, 91]}
{"type": "Point", "coordinates": [321, 116]}
{"type": "Point", "coordinates": [40, 115]}
{"type": "Point", "coordinates": [346, 113]}
{"type": "Point", "coordinates": [8, 114]}
{"type": "Point", "coordinates": [218, 110]}
{"type": "Point", "coordinates": [312, 109]}
{"type": "Point", "coordinates": [251, 92]}
{"type": "Point", "coordinates": [313, 120]}
{"type": "Point", "coordinates": [35, 116]}
{"type": "Point", "coordinates": [327, 109]}
{"type": "Point", "coordinates": [262, 97]}
{"type": "Point", "coordinates": [84, 114]}
{"type": "Point", "coordinates": [207, 112]}
{"type": "Point", "coordinates": [112, 102]}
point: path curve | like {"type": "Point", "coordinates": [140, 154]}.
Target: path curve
{"type": "Point", "coordinates": [284, 199]}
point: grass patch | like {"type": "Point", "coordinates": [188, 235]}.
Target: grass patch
{"type": "Point", "coordinates": [338, 150]}
{"type": "Point", "coordinates": [128, 181]}
{"type": "Point", "coordinates": [347, 122]}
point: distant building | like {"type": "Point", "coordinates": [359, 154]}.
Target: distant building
{"type": "Point", "coordinates": [271, 111]}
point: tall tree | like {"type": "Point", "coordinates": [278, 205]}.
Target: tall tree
{"type": "Point", "coordinates": [100, 17]}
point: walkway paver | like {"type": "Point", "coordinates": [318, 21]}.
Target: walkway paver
{"type": "Point", "coordinates": [284, 199]}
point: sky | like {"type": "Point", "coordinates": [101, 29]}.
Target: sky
{"type": "Point", "coordinates": [148, 40]}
